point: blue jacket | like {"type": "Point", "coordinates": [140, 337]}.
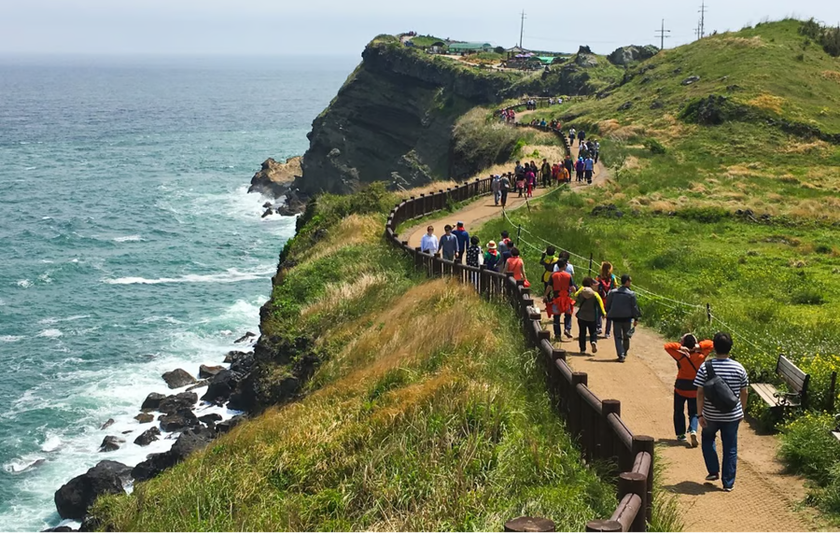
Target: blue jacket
{"type": "Point", "coordinates": [463, 238]}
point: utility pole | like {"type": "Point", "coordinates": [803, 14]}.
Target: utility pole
{"type": "Point", "coordinates": [522, 29]}
{"type": "Point", "coordinates": [703, 10]}
{"type": "Point", "coordinates": [662, 35]}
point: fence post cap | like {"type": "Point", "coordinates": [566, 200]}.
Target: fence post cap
{"type": "Point", "coordinates": [603, 525]}
{"type": "Point", "coordinates": [529, 523]}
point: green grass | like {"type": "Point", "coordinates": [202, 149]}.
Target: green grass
{"type": "Point", "coordinates": [425, 41]}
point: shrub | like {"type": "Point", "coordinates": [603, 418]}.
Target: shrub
{"type": "Point", "coordinates": [809, 448]}
{"type": "Point", "coordinates": [706, 214]}
{"type": "Point", "coordinates": [654, 146]}
{"type": "Point", "coordinates": [807, 296]}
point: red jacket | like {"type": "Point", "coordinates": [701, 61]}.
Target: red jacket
{"type": "Point", "coordinates": [688, 366]}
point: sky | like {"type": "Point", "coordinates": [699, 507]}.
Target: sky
{"type": "Point", "coordinates": [343, 27]}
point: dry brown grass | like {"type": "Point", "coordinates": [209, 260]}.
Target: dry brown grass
{"type": "Point", "coordinates": [668, 128]}
{"type": "Point", "coordinates": [551, 152]}
{"type": "Point", "coordinates": [344, 292]}
{"type": "Point", "coordinates": [608, 126]}
{"type": "Point", "coordinates": [740, 42]}
{"type": "Point", "coordinates": [625, 133]}
{"type": "Point", "coordinates": [633, 163]}
{"type": "Point", "coordinates": [432, 187]}
{"type": "Point", "coordinates": [832, 75]}
{"type": "Point", "coordinates": [768, 102]}
{"type": "Point", "coordinates": [355, 229]}
{"type": "Point", "coordinates": [815, 148]}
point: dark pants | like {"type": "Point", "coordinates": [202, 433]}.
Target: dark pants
{"type": "Point", "coordinates": [597, 155]}
{"type": "Point", "coordinates": [504, 197]}
{"type": "Point", "coordinates": [459, 257]}
{"type": "Point", "coordinates": [567, 324]}
{"type": "Point", "coordinates": [729, 440]}
{"type": "Point", "coordinates": [588, 175]}
{"type": "Point", "coordinates": [586, 326]}
{"type": "Point", "coordinates": [679, 414]}
{"type": "Point", "coordinates": [621, 333]}
{"type": "Point", "coordinates": [579, 175]}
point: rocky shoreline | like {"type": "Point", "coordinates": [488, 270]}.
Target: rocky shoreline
{"type": "Point", "coordinates": [276, 180]}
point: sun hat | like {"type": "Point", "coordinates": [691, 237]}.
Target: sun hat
{"type": "Point", "coordinates": [491, 245]}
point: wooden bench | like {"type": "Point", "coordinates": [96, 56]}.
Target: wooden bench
{"type": "Point", "coordinates": [796, 380]}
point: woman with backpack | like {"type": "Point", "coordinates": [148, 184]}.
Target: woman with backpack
{"type": "Point", "coordinates": [605, 282]}
{"type": "Point", "coordinates": [590, 305]}
{"type": "Point", "coordinates": [515, 265]}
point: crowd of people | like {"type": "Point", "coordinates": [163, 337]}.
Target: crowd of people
{"type": "Point", "coordinates": [713, 389]}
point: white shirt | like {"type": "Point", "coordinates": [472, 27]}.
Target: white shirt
{"type": "Point", "coordinates": [429, 243]}
{"type": "Point", "coordinates": [569, 268]}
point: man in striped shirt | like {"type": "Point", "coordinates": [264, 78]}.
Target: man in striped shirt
{"type": "Point", "coordinates": [713, 420]}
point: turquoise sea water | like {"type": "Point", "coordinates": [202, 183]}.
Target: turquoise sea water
{"type": "Point", "coordinates": [128, 244]}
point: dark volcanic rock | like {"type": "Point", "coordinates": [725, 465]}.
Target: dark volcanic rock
{"type": "Point", "coordinates": [59, 528]}
{"type": "Point", "coordinates": [107, 424]}
{"type": "Point", "coordinates": [154, 464]}
{"type": "Point", "coordinates": [206, 371]}
{"type": "Point", "coordinates": [178, 378]}
{"type": "Point", "coordinates": [627, 55]}
{"type": "Point", "coordinates": [690, 80]}
{"type": "Point", "coordinates": [111, 443]}
{"type": "Point", "coordinates": [625, 106]}
{"type": "Point", "coordinates": [144, 418]}
{"type": "Point", "coordinates": [198, 385]}
{"type": "Point", "coordinates": [210, 418]}
{"type": "Point", "coordinates": [74, 498]}
{"type": "Point", "coordinates": [227, 425]}
{"type": "Point", "coordinates": [189, 441]}
{"type": "Point", "coordinates": [220, 387]}
{"type": "Point", "coordinates": [178, 420]}
{"type": "Point", "coordinates": [147, 437]}
{"type": "Point", "coordinates": [274, 178]}
{"type": "Point", "coordinates": [234, 355]}
{"type": "Point", "coordinates": [182, 400]}
{"type": "Point", "coordinates": [268, 212]}
{"type": "Point", "coordinates": [245, 337]}
{"type": "Point", "coordinates": [152, 401]}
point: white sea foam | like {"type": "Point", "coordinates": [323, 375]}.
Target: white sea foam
{"type": "Point", "coordinates": [25, 283]}
{"type": "Point", "coordinates": [51, 333]}
{"type": "Point", "coordinates": [128, 238]}
{"type": "Point", "coordinates": [45, 278]}
{"type": "Point", "coordinates": [21, 464]}
{"type": "Point", "coordinates": [54, 320]}
{"type": "Point", "coordinates": [52, 443]}
{"type": "Point", "coordinates": [11, 338]}
{"type": "Point", "coordinates": [232, 275]}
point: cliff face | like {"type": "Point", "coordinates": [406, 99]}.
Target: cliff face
{"type": "Point", "coordinates": [392, 120]}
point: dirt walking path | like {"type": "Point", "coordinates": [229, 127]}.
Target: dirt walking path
{"type": "Point", "coordinates": [764, 499]}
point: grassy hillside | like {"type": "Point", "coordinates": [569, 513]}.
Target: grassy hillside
{"type": "Point", "coordinates": [427, 412]}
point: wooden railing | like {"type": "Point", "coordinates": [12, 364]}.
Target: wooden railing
{"type": "Point", "coordinates": [596, 423]}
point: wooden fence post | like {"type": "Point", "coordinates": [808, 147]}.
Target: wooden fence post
{"type": "Point", "coordinates": [529, 523]}
{"type": "Point", "coordinates": [644, 443]}
{"type": "Point", "coordinates": [633, 483]}
{"type": "Point", "coordinates": [575, 402]}
{"type": "Point", "coordinates": [609, 440]}
{"type": "Point", "coordinates": [603, 525]}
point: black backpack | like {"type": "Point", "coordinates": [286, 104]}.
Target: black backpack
{"type": "Point", "coordinates": [718, 392]}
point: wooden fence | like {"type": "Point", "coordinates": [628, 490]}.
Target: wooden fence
{"type": "Point", "coordinates": [596, 423]}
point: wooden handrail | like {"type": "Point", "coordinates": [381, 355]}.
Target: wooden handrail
{"type": "Point", "coordinates": [601, 432]}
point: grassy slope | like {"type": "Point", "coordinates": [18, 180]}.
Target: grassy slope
{"type": "Point", "coordinates": [427, 414]}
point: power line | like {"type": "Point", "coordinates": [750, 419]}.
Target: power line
{"type": "Point", "coordinates": [662, 35]}
{"type": "Point", "coordinates": [702, 12]}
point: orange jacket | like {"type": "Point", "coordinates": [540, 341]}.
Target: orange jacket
{"type": "Point", "coordinates": [688, 366]}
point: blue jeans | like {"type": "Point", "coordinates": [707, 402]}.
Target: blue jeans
{"type": "Point", "coordinates": [621, 334]}
{"type": "Point", "coordinates": [567, 324]}
{"type": "Point", "coordinates": [729, 440]}
{"type": "Point", "coordinates": [679, 414]}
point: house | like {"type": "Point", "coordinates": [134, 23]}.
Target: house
{"type": "Point", "coordinates": [469, 48]}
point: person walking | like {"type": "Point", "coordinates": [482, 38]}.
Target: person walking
{"type": "Point", "coordinates": [588, 169]}
{"type": "Point", "coordinates": [474, 255]}
{"type": "Point", "coordinates": [530, 179]}
{"type": "Point", "coordinates": [605, 283]}
{"type": "Point", "coordinates": [496, 188]}
{"type": "Point", "coordinates": [597, 150]}
{"type": "Point", "coordinates": [504, 189]}
{"type": "Point", "coordinates": [579, 167]}
{"type": "Point", "coordinates": [448, 245]}
{"type": "Point", "coordinates": [689, 355]}
{"type": "Point", "coordinates": [548, 260]}
{"type": "Point", "coordinates": [623, 309]}
{"type": "Point", "coordinates": [463, 241]}
{"type": "Point", "coordinates": [581, 137]}
{"type": "Point", "coordinates": [572, 134]}
{"type": "Point", "coordinates": [515, 266]}
{"type": "Point", "coordinates": [545, 173]}
{"type": "Point", "coordinates": [713, 417]}
{"type": "Point", "coordinates": [589, 305]}
{"type": "Point", "coordinates": [570, 167]}
{"type": "Point", "coordinates": [491, 256]}
{"type": "Point", "coordinates": [429, 242]}
{"type": "Point", "coordinates": [560, 303]}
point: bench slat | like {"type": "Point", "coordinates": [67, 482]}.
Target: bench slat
{"type": "Point", "coordinates": [792, 375]}
{"type": "Point", "coordinates": [766, 392]}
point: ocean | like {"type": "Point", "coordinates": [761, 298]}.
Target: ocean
{"type": "Point", "coordinates": [128, 243]}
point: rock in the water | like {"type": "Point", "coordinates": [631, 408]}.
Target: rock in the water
{"type": "Point", "coordinates": [58, 528]}
{"type": "Point", "coordinates": [691, 79]}
{"type": "Point", "coordinates": [234, 355]}
{"type": "Point", "coordinates": [198, 385]}
{"type": "Point", "coordinates": [147, 437]}
{"type": "Point", "coordinates": [245, 337]}
{"type": "Point", "coordinates": [206, 371]}
{"type": "Point", "coordinates": [266, 205]}
{"type": "Point", "coordinates": [178, 420]}
{"type": "Point", "coordinates": [74, 498]}
{"type": "Point", "coordinates": [230, 423]}
{"type": "Point", "coordinates": [107, 424]}
{"type": "Point", "coordinates": [220, 387]}
{"type": "Point", "coordinates": [274, 179]}
{"type": "Point", "coordinates": [210, 418]}
{"type": "Point", "coordinates": [111, 443]}
{"type": "Point", "coordinates": [144, 418]}
{"type": "Point", "coordinates": [268, 212]}
{"type": "Point", "coordinates": [153, 400]}
{"type": "Point", "coordinates": [178, 378]}
{"type": "Point", "coordinates": [182, 400]}
{"type": "Point", "coordinates": [190, 440]}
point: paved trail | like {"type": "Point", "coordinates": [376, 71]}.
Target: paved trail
{"type": "Point", "coordinates": [765, 499]}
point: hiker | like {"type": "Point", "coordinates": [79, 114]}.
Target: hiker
{"type": "Point", "coordinates": [564, 257]}
{"type": "Point", "coordinates": [519, 170]}
{"type": "Point", "coordinates": [563, 176]}
{"type": "Point", "coordinates": [555, 173]}
{"type": "Point", "coordinates": [548, 260]}
{"type": "Point", "coordinates": [504, 242]}
{"type": "Point", "coordinates": [581, 137]}
{"type": "Point", "coordinates": [588, 169]}
{"type": "Point", "coordinates": [606, 283]}
{"type": "Point", "coordinates": [689, 355]}
{"type": "Point", "coordinates": [474, 255]}
{"type": "Point", "coordinates": [520, 183]}
{"type": "Point", "coordinates": [515, 266]}
{"type": "Point", "coordinates": [506, 254]}
{"type": "Point", "coordinates": [572, 134]}
{"type": "Point", "coordinates": [545, 173]}
{"type": "Point", "coordinates": [579, 167]}
{"type": "Point", "coordinates": [504, 188]}
{"type": "Point", "coordinates": [463, 241]}
{"type": "Point", "coordinates": [569, 165]}
{"type": "Point", "coordinates": [491, 256]}
{"type": "Point", "coordinates": [623, 310]}
{"type": "Point", "coordinates": [495, 187]}
{"type": "Point", "coordinates": [561, 302]}
{"type": "Point", "coordinates": [530, 178]}
{"type": "Point", "coordinates": [597, 150]}
{"type": "Point", "coordinates": [719, 413]}
{"type": "Point", "coordinates": [448, 244]}
{"type": "Point", "coordinates": [590, 305]}
{"type": "Point", "coordinates": [429, 242]}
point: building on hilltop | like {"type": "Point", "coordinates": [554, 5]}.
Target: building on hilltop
{"type": "Point", "coordinates": [469, 48]}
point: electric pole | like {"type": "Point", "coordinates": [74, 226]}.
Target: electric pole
{"type": "Point", "coordinates": [703, 10]}
{"type": "Point", "coordinates": [522, 29]}
{"type": "Point", "coordinates": [662, 35]}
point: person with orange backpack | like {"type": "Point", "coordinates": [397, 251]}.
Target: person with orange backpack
{"type": "Point", "coordinates": [560, 286]}
{"type": "Point", "coordinates": [689, 355]}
